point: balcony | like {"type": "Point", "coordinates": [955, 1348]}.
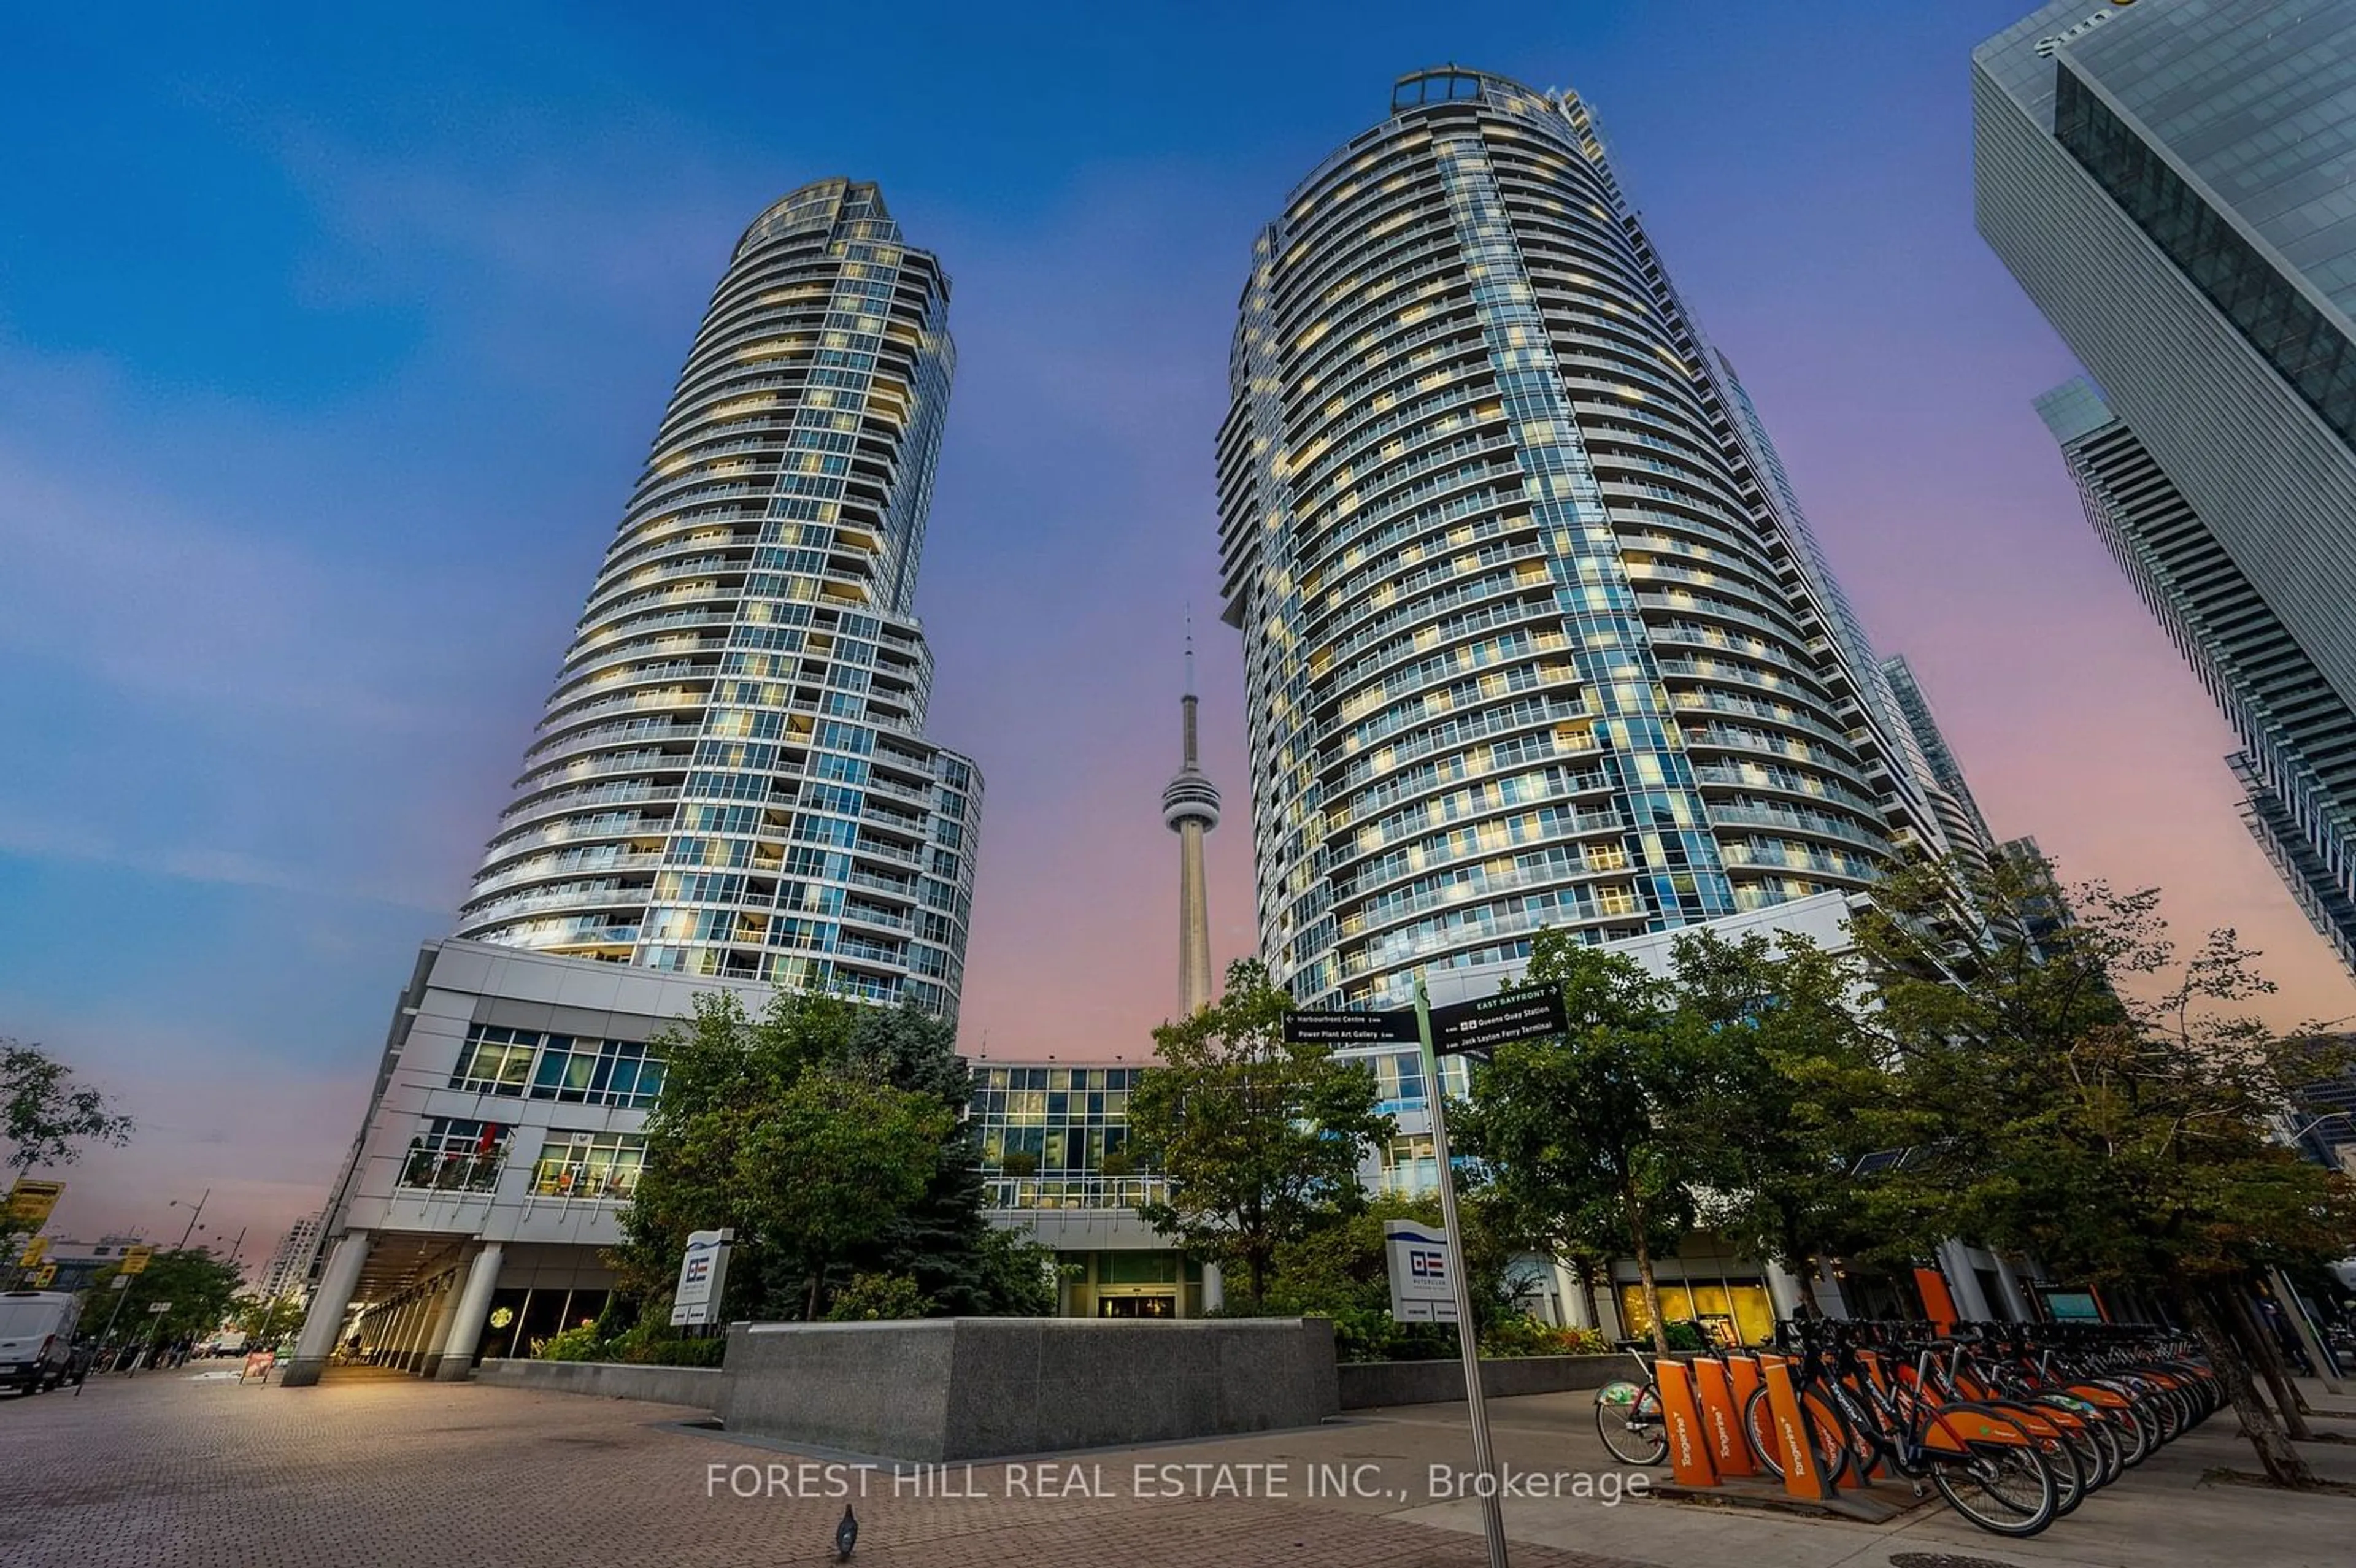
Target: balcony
{"type": "Point", "coordinates": [447, 1172]}
{"type": "Point", "coordinates": [1117, 1192]}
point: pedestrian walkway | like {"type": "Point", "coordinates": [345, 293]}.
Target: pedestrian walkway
{"type": "Point", "coordinates": [372, 1469]}
{"type": "Point", "coordinates": [378, 1472]}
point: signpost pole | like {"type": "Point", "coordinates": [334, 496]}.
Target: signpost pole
{"type": "Point", "coordinates": [1492, 1516]}
{"type": "Point", "coordinates": [122, 1287]}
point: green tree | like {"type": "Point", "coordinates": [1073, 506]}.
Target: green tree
{"type": "Point", "coordinates": [2104, 1104]}
{"type": "Point", "coordinates": [265, 1319]}
{"type": "Point", "coordinates": [829, 1134]}
{"type": "Point", "coordinates": [1788, 1089]}
{"type": "Point", "coordinates": [1260, 1141]}
{"type": "Point", "coordinates": [45, 1114]}
{"type": "Point", "coordinates": [826, 1165]}
{"type": "Point", "coordinates": [1584, 1150]}
{"type": "Point", "coordinates": [199, 1287]}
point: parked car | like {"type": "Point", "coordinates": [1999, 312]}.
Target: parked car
{"type": "Point", "coordinates": [36, 1332]}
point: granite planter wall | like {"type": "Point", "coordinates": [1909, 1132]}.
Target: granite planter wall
{"type": "Point", "coordinates": [982, 1387]}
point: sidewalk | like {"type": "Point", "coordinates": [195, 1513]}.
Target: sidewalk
{"type": "Point", "coordinates": [368, 1468]}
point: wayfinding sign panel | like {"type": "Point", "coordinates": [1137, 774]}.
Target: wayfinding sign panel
{"type": "Point", "coordinates": [1490, 1021]}
{"type": "Point", "coordinates": [1308, 1027]}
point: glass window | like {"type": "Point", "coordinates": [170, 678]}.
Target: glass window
{"type": "Point", "coordinates": [598, 1167]}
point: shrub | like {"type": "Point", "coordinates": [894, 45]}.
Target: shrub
{"type": "Point", "coordinates": [1684, 1335]}
{"type": "Point", "coordinates": [581, 1344]}
{"type": "Point", "coordinates": [870, 1297]}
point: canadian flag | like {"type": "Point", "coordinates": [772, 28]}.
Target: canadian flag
{"type": "Point", "coordinates": [490, 1138]}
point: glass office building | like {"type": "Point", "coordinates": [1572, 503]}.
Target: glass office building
{"type": "Point", "coordinates": [2169, 181]}
{"type": "Point", "coordinates": [1534, 631]}
{"type": "Point", "coordinates": [2297, 763]}
{"type": "Point", "coordinates": [732, 777]}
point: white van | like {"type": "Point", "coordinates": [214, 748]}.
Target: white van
{"type": "Point", "coordinates": [37, 1329]}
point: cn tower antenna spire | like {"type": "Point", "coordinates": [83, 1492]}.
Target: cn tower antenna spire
{"type": "Point", "coordinates": [1190, 808]}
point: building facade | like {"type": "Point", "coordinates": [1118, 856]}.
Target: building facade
{"type": "Point", "coordinates": [2298, 762]}
{"type": "Point", "coordinates": [2167, 181]}
{"type": "Point", "coordinates": [1959, 813]}
{"type": "Point", "coordinates": [288, 1272]}
{"type": "Point", "coordinates": [1534, 632]}
{"type": "Point", "coordinates": [732, 776]}
{"type": "Point", "coordinates": [731, 788]}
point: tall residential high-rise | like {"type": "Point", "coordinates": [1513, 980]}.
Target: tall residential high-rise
{"type": "Point", "coordinates": [288, 1272]}
{"type": "Point", "coordinates": [731, 789]}
{"type": "Point", "coordinates": [1190, 808]}
{"type": "Point", "coordinates": [1534, 632]}
{"type": "Point", "coordinates": [732, 776]}
{"type": "Point", "coordinates": [2167, 181]}
{"type": "Point", "coordinates": [1967, 830]}
{"type": "Point", "coordinates": [2297, 763]}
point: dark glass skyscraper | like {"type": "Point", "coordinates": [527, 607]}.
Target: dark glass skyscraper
{"type": "Point", "coordinates": [2169, 182]}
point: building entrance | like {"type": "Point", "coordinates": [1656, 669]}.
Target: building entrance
{"type": "Point", "coordinates": [1156, 1305]}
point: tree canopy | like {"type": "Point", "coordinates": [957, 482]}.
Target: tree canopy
{"type": "Point", "coordinates": [828, 1136]}
{"type": "Point", "coordinates": [199, 1287]}
{"type": "Point", "coordinates": [48, 1116]}
{"type": "Point", "coordinates": [1258, 1140]}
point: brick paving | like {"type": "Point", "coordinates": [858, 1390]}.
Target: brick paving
{"type": "Point", "coordinates": [175, 1471]}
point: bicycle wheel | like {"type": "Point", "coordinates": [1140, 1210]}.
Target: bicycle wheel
{"type": "Point", "coordinates": [2004, 1489]}
{"type": "Point", "coordinates": [1827, 1434]}
{"type": "Point", "coordinates": [1629, 1419]}
{"type": "Point", "coordinates": [1759, 1434]}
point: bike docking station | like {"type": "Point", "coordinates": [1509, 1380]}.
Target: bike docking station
{"type": "Point", "coordinates": [1461, 1029]}
{"type": "Point", "coordinates": [1710, 1462]}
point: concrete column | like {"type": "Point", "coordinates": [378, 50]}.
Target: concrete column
{"type": "Point", "coordinates": [1783, 1288]}
{"type": "Point", "coordinates": [324, 1319]}
{"type": "Point", "coordinates": [457, 1361]}
{"type": "Point", "coordinates": [446, 1312]}
{"type": "Point", "coordinates": [2016, 1299]}
{"type": "Point", "coordinates": [415, 1322]}
{"type": "Point", "coordinates": [396, 1340]}
{"type": "Point", "coordinates": [1576, 1313]}
{"type": "Point", "coordinates": [1963, 1282]}
{"type": "Point", "coordinates": [1214, 1287]}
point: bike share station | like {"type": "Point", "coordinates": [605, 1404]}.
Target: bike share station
{"type": "Point", "coordinates": [1429, 1281]}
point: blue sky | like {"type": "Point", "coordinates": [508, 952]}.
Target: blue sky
{"type": "Point", "coordinates": [330, 341]}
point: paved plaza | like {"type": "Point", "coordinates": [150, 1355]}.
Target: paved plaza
{"type": "Point", "coordinates": [188, 1469]}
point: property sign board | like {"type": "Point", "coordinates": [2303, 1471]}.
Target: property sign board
{"type": "Point", "coordinates": [1310, 1028]}
{"type": "Point", "coordinates": [134, 1260]}
{"type": "Point", "coordinates": [29, 1201]}
{"type": "Point", "coordinates": [1420, 1258]}
{"type": "Point", "coordinates": [159, 1306]}
{"type": "Point", "coordinates": [702, 1279]}
{"type": "Point", "coordinates": [1489, 1021]}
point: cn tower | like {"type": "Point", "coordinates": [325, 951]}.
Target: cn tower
{"type": "Point", "coordinates": [1190, 808]}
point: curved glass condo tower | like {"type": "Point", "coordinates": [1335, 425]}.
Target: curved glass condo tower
{"type": "Point", "coordinates": [1534, 631]}
{"type": "Point", "coordinates": [732, 777]}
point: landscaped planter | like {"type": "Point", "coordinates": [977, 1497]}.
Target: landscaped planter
{"type": "Point", "coordinates": [1366, 1384]}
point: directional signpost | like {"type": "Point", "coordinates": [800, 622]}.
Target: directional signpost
{"type": "Point", "coordinates": [1460, 1028]}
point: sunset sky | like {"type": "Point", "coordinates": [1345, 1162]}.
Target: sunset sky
{"type": "Point", "coordinates": [330, 343]}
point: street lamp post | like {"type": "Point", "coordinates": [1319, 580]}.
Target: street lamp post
{"type": "Point", "coordinates": [192, 1218]}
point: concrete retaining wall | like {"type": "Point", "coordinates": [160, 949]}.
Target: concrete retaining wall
{"type": "Point", "coordinates": [981, 1388]}
{"type": "Point", "coordinates": [1365, 1384]}
{"type": "Point", "coordinates": [698, 1387]}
